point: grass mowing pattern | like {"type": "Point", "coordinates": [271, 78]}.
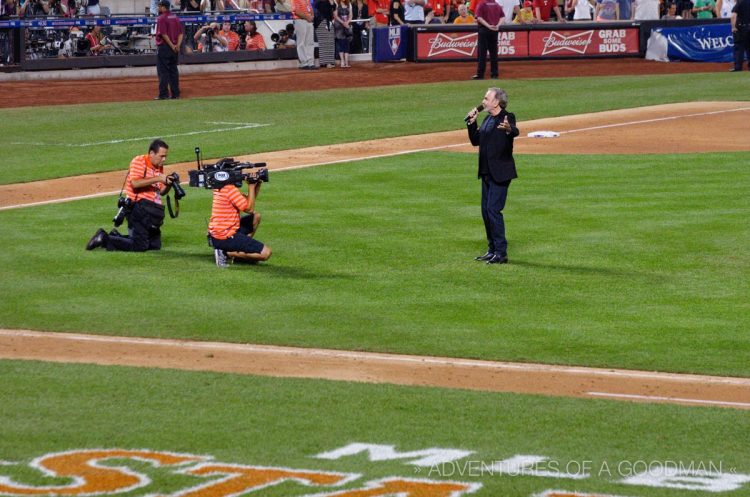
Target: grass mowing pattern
{"type": "Point", "coordinates": [282, 422]}
{"type": "Point", "coordinates": [616, 261]}
{"type": "Point", "coordinates": [35, 139]}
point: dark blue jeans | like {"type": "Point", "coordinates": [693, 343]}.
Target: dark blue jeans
{"type": "Point", "coordinates": [493, 202]}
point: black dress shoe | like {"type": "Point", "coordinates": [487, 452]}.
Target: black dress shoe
{"type": "Point", "coordinates": [734, 69]}
{"type": "Point", "coordinates": [98, 240]}
{"type": "Point", "coordinates": [477, 76]}
{"type": "Point", "coordinates": [493, 77]}
{"type": "Point", "coordinates": [484, 257]}
{"type": "Point", "coordinates": [498, 259]}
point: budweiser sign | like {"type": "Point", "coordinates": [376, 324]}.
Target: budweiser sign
{"type": "Point", "coordinates": [450, 43]}
{"type": "Point", "coordinates": [574, 43]}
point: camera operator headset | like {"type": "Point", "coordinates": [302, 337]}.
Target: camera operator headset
{"type": "Point", "coordinates": [145, 184]}
{"type": "Point", "coordinates": [231, 235]}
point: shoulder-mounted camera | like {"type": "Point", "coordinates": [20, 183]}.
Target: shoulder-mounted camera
{"type": "Point", "coordinates": [226, 171]}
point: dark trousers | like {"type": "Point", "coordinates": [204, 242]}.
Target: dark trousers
{"type": "Point", "coordinates": [144, 231]}
{"type": "Point", "coordinates": [166, 69]}
{"type": "Point", "coordinates": [487, 42]}
{"type": "Point", "coordinates": [741, 47]}
{"type": "Point", "coordinates": [493, 202]}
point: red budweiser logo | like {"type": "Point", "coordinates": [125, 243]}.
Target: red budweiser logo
{"type": "Point", "coordinates": [558, 42]}
{"type": "Point", "coordinates": [465, 44]}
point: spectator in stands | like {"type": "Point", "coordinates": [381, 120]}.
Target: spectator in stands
{"type": "Point", "coordinates": [212, 5]}
{"type": "Point", "coordinates": [463, 15]}
{"type": "Point", "coordinates": [581, 10]}
{"type": "Point", "coordinates": [671, 12]}
{"type": "Point", "coordinates": [95, 37]}
{"type": "Point", "coordinates": [9, 8]}
{"type": "Point", "coordinates": [724, 8]}
{"type": "Point", "coordinates": [526, 14]}
{"type": "Point", "coordinates": [33, 8]}
{"type": "Point", "coordinates": [359, 11]}
{"type": "Point", "coordinates": [510, 9]}
{"type": "Point", "coordinates": [704, 9]}
{"type": "Point", "coordinates": [607, 10]}
{"type": "Point", "coordinates": [304, 28]}
{"type": "Point", "coordinates": [414, 11]}
{"type": "Point", "coordinates": [626, 9]}
{"type": "Point", "coordinates": [57, 8]}
{"type": "Point", "coordinates": [253, 39]}
{"type": "Point", "coordinates": [93, 8]}
{"type": "Point", "coordinates": [380, 10]}
{"type": "Point", "coordinates": [209, 39]}
{"type": "Point", "coordinates": [396, 14]}
{"type": "Point", "coordinates": [324, 32]}
{"type": "Point", "coordinates": [438, 11]}
{"type": "Point", "coordinates": [543, 9]}
{"type": "Point", "coordinates": [233, 39]}
{"type": "Point", "coordinates": [282, 6]}
{"type": "Point", "coordinates": [685, 8]}
{"type": "Point", "coordinates": [489, 17]}
{"type": "Point", "coordinates": [193, 6]}
{"type": "Point", "coordinates": [646, 10]}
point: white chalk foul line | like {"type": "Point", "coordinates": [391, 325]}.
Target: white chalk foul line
{"type": "Point", "coordinates": [391, 358]}
{"type": "Point", "coordinates": [143, 138]}
{"type": "Point", "coordinates": [656, 398]}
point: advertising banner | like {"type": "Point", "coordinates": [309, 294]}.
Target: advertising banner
{"type": "Point", "coordinates": [707, 43]}
{"type": "Point", "coordinates": [583, 42]}
{"type": "Point", "coordinates": [390, 43]}
{"type": "Point", "coordinates": [462, 45]}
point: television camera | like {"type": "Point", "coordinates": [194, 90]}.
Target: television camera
{"type": "Point", "coordinates": [226, 171]}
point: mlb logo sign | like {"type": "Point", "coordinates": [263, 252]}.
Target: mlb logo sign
{"type": "Point", "coordinates": [394, 38]}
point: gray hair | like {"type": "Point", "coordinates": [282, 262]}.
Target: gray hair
{"type": "Point", "coordinates": [501, 95]}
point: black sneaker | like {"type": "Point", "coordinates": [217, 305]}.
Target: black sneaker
{"type": "Point", "coordinates": [98, 240]}
{"type": "Point", "coordinates": [498, 259]}
{"type": "Point", "coordinates": [484, 257]}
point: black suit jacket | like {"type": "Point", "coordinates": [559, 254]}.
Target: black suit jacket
{"type": "Point", "coordinates": [495, 146]}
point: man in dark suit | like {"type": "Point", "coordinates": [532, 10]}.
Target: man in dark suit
{"type": "Point", "coordinates": [496, 168]}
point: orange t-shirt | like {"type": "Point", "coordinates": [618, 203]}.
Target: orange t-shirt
{"type": "Point", "coordinates": [141, 167]}
{"type": "Point", "coordinates": [255, 42]}
{"type": "Point", "coordinates": [233, 39]}
{"type": "Point", "coordinates": [469, 19]}
{"type": "Point", "coordinates": [301, 6]}
{"type": "Point", "coordinates": [225, 212]}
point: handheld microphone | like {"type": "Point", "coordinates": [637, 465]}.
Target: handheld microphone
{"type": "Point", "coordinates": [479, 108]}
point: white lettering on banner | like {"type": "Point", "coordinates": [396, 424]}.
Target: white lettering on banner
{"type": "Point", "coordinates": [611, 33]}
{"type": "Point", "coordinates": [715, 43]}
{"type": "Point", "coordinates": [505, 42]}
{"type": "Point", "coordinates": [539, 466]}
{"type": "Point", "coordinates": [442, 43]}
{"type": "Point", "coordinates": [394, 38]}
{"type": "Point", "coordinates": [558, 42]}
{"type": "Point", "coordinates": [699, 480]}
{"type": "Point", "coordinates": [375, 452]}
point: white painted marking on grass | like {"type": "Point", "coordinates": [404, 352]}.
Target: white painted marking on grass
{"type": "Point", "coordinates": [374, 356]}
{"type": "Point", "coordinates": [236, 126]}
{"type": "Point", "coordinates": [656, 398]}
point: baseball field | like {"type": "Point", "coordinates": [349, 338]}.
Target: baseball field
{"type": "Point", "coordinates": [372, 356]}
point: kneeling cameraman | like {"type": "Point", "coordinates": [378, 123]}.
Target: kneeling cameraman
{"type": "Point", "coordinates": [143, 208]}
{"type": "Point", "coordinates": [230, 235]}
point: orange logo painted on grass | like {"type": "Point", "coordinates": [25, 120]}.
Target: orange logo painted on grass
{"type": "Point", "coordinates": [89, 478]}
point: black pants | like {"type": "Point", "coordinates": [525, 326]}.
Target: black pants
{"type": "Point", "coordinates": [487, 42]}
{"type": "Point", "coordinates": [741, 47]}
{"type": "Point", "coordinates": [493, 202]}
{"type": "Point", "coordinates": [144, 229]}
{"type": "Point", "coordinates": [166, 69]}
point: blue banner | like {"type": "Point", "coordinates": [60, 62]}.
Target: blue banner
{"type": "Point", "coordinates": [390, 43]}
{"type": "Point", "coordinates": [135, 21]}
{"type": "Point", "coordinates": [708, 43]}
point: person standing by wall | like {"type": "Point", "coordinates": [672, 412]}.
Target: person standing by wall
{"type": "Point", "coordinates": [324, 32]}
{"type": "Point", "coordinates": [497, 168]}
{"type": "Point", "coordinates": [489, 15]}
{"type": "Point", "coordinates": [169, 35]}
{"type": "Point", "coordinates": [303, 27]}
{"type": "Point", "coordinates": [741, 31]}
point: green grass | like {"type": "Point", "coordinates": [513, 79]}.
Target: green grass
{"type": "Point", "coordinates": [616, 261]}
{"type": "Point", "coordinates": [284, 422]}
{"type": "Point", "coordinates": [45, 142]}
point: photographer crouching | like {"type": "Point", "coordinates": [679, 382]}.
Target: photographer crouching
{"type": "Point", "coordinates": [231, 235]}
{"type": "Point", "coordinates": [142, 206]}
